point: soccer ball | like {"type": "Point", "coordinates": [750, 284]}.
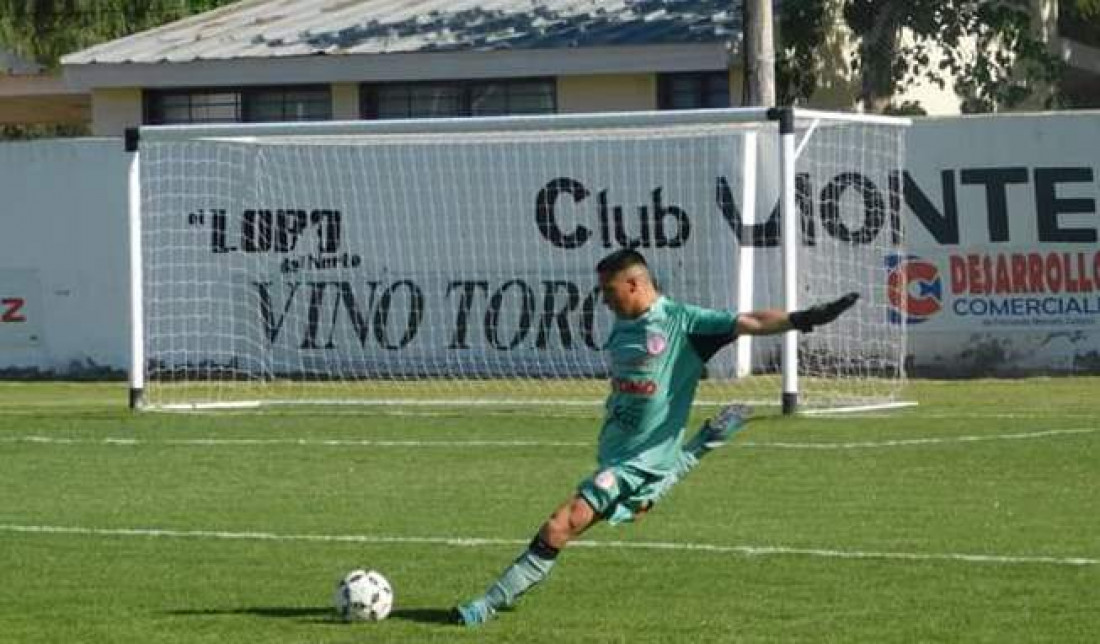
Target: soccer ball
{"type": "Point", "coordinates": [363, 596]}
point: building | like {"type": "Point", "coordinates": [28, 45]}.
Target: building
{"type": "Point", "coordinates": [322, 59]}
{"type": "Point", "coordinates": [31, 95]}
{"type": "Point", "coordinates": [279, 60]}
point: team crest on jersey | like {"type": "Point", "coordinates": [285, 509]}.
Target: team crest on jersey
{"type": "Point", "coordinates": [605, 480]}
{"type": "Point", "coordinates": [655, 344]}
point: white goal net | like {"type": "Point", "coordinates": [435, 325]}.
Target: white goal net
{"type": "Point", "coordinates": [453, 261]}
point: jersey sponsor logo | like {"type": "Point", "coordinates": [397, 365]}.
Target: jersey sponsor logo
{"type": "Point", "coordinates": [915, 289]}
{"type": "Point", "coordinates": [640, 387]}
{"type": "Point", "coordinates": [655, 344]}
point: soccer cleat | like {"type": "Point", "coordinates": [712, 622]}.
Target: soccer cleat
{"type": "Point", "coordinates": [717, 431]}
{"type": "Point", "coordinates": [474, 613]}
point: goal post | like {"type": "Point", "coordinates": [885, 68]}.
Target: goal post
{"type": "Point", "coordinates": [452, 261]}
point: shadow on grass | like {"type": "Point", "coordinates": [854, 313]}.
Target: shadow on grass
{"type": "Point", "coordinates": [424, 615]}
{"type": "Point", "coordinates": [298, 613]}
{"type": "Point", "coordinates": [323, 615]}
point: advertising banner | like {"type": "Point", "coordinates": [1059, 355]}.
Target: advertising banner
{"type": "Point", "coordinates": [998, 274]}
{"type": "Point", "coordinates": [415, 257]}
{"type": "Point", "coordinates": [474, 254]}
{"type": "Point", "coordinates": [1002, 271]}
{"type": "Point", "coordinates": [20, 309]}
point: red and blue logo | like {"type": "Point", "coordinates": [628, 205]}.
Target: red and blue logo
{"type": "Point", "coordinates": [914, 287]}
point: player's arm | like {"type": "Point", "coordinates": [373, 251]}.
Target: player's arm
{"type": "Point", "coordinates": [765, 322]}
{"type": "Point", "coordinates": [771, 321]}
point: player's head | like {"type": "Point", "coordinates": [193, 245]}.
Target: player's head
{"type": "Point", "coordinates": [626, 284]}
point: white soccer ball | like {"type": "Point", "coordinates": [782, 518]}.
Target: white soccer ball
{"type": "Point", "coordinates": [363, 596]}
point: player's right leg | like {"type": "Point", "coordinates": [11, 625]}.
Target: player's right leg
{"type": "Point", "coordinates": [569, 521]}
{"type": "Point", "coordinates": [717, 431]}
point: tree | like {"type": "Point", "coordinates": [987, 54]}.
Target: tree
{"type": "Point", "coordinates": [759, 52]}
{"type": "Point", "coordinates": [45, 30]}
{"type": "Point", "coordinates": [990, 49]}
{"type": "Point", "coordinates": [1080, 21]}
{"type": "Point", "coordinates": [802, 31]}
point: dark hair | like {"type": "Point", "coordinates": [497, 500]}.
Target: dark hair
{"type": "Point", "coordinates": [621, 260]}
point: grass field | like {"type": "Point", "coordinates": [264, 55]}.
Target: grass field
{"type": "Point", "coordinates": [974, 517]}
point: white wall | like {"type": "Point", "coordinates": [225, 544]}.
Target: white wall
{"type": "Point", "coordinates": [1023, 186]}
{"type": "Point", "coordinates": [63, 255]}
{"type": "Point", "coordinates": [1026, 191]}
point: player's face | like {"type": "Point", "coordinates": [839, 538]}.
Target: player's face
{"type": "Point", "coordinates": [617, 290]}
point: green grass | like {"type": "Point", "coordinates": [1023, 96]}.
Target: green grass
{"type": "Point", "coordinates": [1029, 491]}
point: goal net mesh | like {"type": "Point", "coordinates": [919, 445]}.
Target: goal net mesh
{"type": "Point", "coordinates": [460, 267]}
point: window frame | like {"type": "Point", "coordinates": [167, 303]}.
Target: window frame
{"type": "Point", "coordinates": [706, 89]}
{"type": "Point", "coordinates": [467, 90]}
{"type": "Point", "coordinates": [245, 102]}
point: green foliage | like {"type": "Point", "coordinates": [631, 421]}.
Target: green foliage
{"type": "Point", "coordinates": [45, 30]}
{"type": "Point", "coordinates": [1080, 21]}
{"type": "Point", "coordinates": [905, 108]}
{"type": "Point", "coordinates": [802, 26]}
{"type": "Point", "coordinates": [1088, 9]}
{"type": "Point", "coordinates": [988, 49]}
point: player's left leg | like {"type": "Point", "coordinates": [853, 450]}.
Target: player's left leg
{"type": "Point", "coordinates": [717, 431]}
{"type": "Point", "coordinates": [714, 433]}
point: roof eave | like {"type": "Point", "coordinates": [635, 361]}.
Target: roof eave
{"type": "Point", "coordinates": [335, 68]}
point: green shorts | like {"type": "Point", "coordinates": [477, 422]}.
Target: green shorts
{"type": "Point", "coordinates": [618, 493]}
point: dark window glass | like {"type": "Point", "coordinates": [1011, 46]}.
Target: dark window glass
{"type": "Point", "coordinates": [166, 107]}
{"type": "Point", "coordinates": [238, 105]}
{"type": "Point", "coordinates": [426, 101]}
{"type": "Point", "coordinates": [693, 90]}
{"type": "Point", "coordinates": [287, 104]}
{"type": "Point", "coordinates": [457, 98]}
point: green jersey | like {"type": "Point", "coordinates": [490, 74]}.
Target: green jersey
{"type": "Point", "coordinates": [656, 362]}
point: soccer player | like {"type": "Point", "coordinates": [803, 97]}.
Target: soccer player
{"type": "Point", "coordinates": [658, 348]}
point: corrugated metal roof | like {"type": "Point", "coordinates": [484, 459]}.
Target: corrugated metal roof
{"type": "Point", "coordinates": [278, 28]}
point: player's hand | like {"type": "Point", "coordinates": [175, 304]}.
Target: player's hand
{"type": "Point", "coordinates": [805, 320]}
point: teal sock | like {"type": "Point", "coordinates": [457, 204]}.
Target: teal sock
{"type": "Point", "coordinates": [685, 463]}
{"type": "Point", "coordinates": [526, 571]}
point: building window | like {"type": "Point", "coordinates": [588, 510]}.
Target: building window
{"type": "Point", "coordinates": [202, 106]}
{"type": "Point", "coordinates": [457, 98]}
{"type": "Point", "coordinates": [238, 105]}
{"type": "Point", "coordinates": [693, 90]}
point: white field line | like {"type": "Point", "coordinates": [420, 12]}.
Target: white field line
{"type": "Point", "coordinates": [595, 414]}
{"type": "Point", "coordinates": [469, 542]}
{"type": "Point", "coordinates": [914, 442]}
{"type": "Point", "coordinates": [924, 414]}
{"type": "Point", "coordinates": [306, 442]}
